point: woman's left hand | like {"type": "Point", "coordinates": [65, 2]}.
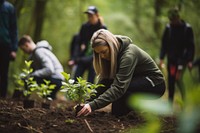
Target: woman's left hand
{"type": "Point", "coordinates": [86, 110]}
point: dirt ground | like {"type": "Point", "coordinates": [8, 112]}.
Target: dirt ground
{"type": "Point", "coordinates": [60, 118]}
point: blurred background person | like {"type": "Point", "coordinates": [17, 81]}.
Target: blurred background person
{"type": "Point", "coordinates": [178, 46]}
{"type": "Point", "coordinates": [8, 42]}
{"type": "Point", "coordinates": [45, 64]}
{"type": "Point", "coordinates": [84, 59]}
{"type": "Point", "coordinates": [74, 51]}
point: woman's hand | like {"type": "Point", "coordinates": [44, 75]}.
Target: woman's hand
{"type": "Point", "coordinates": [86, 110]}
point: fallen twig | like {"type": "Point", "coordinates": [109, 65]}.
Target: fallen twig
{"type": "Point", "coordinates": [39, 110]}
{"type": "Point", "coordinates": [29, 128]}
{"type": "Point", "coordinates": [88, 125]}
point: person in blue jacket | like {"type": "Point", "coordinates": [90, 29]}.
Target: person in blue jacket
{"type": "Point", "coordinates": [8, 42]}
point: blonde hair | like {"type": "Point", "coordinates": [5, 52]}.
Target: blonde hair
{"type": "Point", "coordinates": [102, 67]}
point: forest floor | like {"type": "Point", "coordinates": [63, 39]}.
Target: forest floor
{"type": "Point", "coordinates": [60, 118]}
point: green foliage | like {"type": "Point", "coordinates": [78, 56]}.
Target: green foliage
{"type": "Point", "coordinates": [78, 91]}
{"type": "Point", "coordinates": [189, 118]}
{"type": "Point", "coordinates": [153, 108]}
{"type": "Point", "coordinates": [45, 89]}
{"type": "Point", "coordinates": [27, 84]}
{"type": "Point", "coordinates": [24, 82]}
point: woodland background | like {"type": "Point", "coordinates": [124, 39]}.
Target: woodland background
{"type": "Point", "coordinates": [142, 20]}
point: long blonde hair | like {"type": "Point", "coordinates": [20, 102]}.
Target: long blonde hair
{"type": "Point", "coordinates": [102, 67]}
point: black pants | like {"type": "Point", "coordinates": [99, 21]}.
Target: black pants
{"type": "Point", "coordinates": [175, 76]}
{"type": "Point", "coordinates": [4, 67]}
{"type": "Point", "coordinates": [82, 67]}
{"type": "Point", "coordinates": [57, 82]}
{"type": "Point", "coordinates": [138, 85]}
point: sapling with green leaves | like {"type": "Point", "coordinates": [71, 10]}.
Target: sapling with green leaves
{"type": "Point", "coordinates": [78, 91]}
{"type": "Point", "coordinates": [45, 89]}
{"type": "Point", "coordinates": [24, 82]}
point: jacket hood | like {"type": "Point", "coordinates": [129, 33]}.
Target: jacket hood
{"type": "Point", "coordinates": [43, 44]}
{"type": "Point", "coordinates": [123, 39]}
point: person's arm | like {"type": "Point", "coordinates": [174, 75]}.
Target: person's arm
{"type": "Point", "coordinates": [163, 49]}
{"type": "Point", "coordinates": [13, 30]}
{"type": "Point", "coordinates": [120, 83]}
{"type": "Point", "coordinates": [83, 37]}
{"type": "Point", "coordinates": [190, 46]}
{"type": "Point", "coordinates": [13, 33]}
{"type": "Point", "coordinates": [47, 65]}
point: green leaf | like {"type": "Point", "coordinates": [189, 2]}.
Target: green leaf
{"type": "Point", "coordinates": [66, 75]}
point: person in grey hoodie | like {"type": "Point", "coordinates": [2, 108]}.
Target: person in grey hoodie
{"type": "Point", "coordinates": [124, 69]}
{"type": "Point", "coordinates": [45, 64]}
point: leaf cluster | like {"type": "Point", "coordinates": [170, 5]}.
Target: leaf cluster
{"type": "Point", "coordinates": [45, 89]}
{"type": "Point", "coordinates": [24, 82]}
{"type": "Point", "coordinates": [78, 91]}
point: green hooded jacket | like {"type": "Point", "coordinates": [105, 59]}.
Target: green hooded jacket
{"type": "Point", "coordinates": [132, 62]}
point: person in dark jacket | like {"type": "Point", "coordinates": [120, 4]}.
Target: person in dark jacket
{"type": "Point", "coordinates": [74, 52]}
{"type": "Point", "coordinates": [178, 45]}
{"type": "Point", "coordinates": [124, 69]}
{"type": "Point", "coordinates": [8, 42]}
{"type": "Point", "coordinates": [84, 59]}
{"type": "Point", "coordinates": [45, 64]}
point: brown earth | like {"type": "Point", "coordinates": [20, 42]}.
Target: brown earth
{"type": "Point", "coordinates": [60, 118]}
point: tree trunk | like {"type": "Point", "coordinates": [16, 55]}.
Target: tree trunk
{"type": "Point", "coordinates": [39, 15]}
{"type": "Point", "coordinates": [158, 5]}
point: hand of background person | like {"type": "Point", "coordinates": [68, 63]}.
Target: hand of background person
{"type": "Point", "coordinates": [161, 64]}
{"type": "Point", "coordinates": [71, 62]}
{"type": "Point", "coordinates": [190, 65]}
{"type": "Point", "coordinates": [86, 110]}
{"type": "Point", "coordinates": [83, 47]}
{"type": "Point", "coordinates": [13, 55]}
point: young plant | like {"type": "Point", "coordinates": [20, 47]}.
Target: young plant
{"type": "Point", "coordinates": [45, 89]}
{"type": "Point", "coordinates": [78, 91]}
{"type": "Point", "coordinates": [24, 82]}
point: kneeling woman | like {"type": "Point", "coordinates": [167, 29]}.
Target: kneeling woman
{"type": "Point", "coordinates": [124, 69]}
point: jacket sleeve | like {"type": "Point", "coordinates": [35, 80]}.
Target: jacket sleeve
{"type": "Point", "coordinates": [165, 40]}
{"type": "Point", "coordinates": [83, 34]}
{"type": "Point", "coordinates": [190, 44]}
{"type": "Point", "coordinates": [119, 85]}
{"type": "Point", "coordinates": [47, 65]}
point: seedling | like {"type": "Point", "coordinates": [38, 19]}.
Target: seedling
{"type": "Point", "coordinates": [24, 82]}
{"type": "Point", "coordinates": [45, 89]}
{"type": "Point", "coordinates": [78, 91]}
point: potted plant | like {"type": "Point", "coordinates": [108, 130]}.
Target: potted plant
{"type": "Point", "coordinates": [26, 84]}
{"type": "Point", "coordinates": [78, 91]}
{"type": "Point", "coordinates": [44, 91]}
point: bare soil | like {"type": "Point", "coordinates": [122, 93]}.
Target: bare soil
{"type": "Point", "coordinates": [60, 118]}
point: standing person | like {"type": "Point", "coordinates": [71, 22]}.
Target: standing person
{"type": "Point", "coordinates": [178, 45]}
{"type": "Point", "coordinates": [45, 64]}
{"type": "Point", "coordinates": [124, 69]}
{"type": "Point", "coordinates": [8, 42]}
{"type": "Point", "coordinates": [74, 51]}
{"type": "Point", "coordinates": [84, 60]}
